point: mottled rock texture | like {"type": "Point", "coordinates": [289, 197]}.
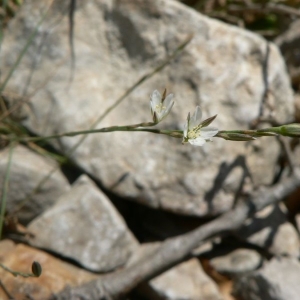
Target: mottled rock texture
{"type": "Point", "coordinates": [117, 42]}
{"type": "Point", "coordinates": [26, 197]}
{"type": "Point", "coordinates": [83, 225]}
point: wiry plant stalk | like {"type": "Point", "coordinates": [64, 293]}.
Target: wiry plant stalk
{"type": "Point", "coordinates": [5, 188]}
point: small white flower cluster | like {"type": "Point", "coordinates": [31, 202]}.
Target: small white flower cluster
{"type": "Point", "coordinates": [195, 132]}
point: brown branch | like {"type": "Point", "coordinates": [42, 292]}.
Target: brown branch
{"type": "Point", "coordinates": [265, 75]}
{"type": "Point", "coordinates": [267, 8]}
{"type": "Point", "coordinates": [285, 145]}
{"type": "Point", "coordinates": [227, 18]}
{"type": "Point", "coordinates": [6, 292]}
{"type": "Point", "coordinates": [177, 249]}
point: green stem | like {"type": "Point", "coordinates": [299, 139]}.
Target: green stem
{"type": "Point", "coordinates": [5, 188]}
{"type": "Point", "coordinates": [254, 133]}
{"type": "Point", "coordinates": [16, 273]}
{"type": "Point", "coordinates": [141, 128]}
{"type": "Point", "coordinates": [24, 50]}
{"type": "Point", "coordinates": [136, 127]}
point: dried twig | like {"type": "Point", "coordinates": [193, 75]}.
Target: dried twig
{"type": "Point", "coordinates": [6, 292]}
{"type": "Point", "coordinates": [267, 8]}
{"type": "Point", "coordinates": [285, 145]}
{"type": "Point", "coordinates": [265, 75]}
{"type": "Point", "coordinates": [176, 250]}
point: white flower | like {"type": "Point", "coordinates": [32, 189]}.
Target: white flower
{"type": "Point", "coordinates": [160, 105]}
{"type": "Point", "coordinates": [197, 133]}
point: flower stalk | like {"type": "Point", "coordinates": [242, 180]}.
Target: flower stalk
{"type": "Point", "coordinates": [291, 130]}
{"type": "Point", "coordinates": [232, 136]}
{"type": "Point", "coordinates": [195, 131]}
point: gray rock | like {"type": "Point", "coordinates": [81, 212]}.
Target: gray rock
{"type": "Point", "coordinates": [277, 280]}
{"type": "Point", "coordinates": [115, 44]}
{"type": "Point", "coordinates": [271, 230]}
{"type": "Point", "coordinates": [297, 108]}
{"type": "Point", "coordinates": [28, 169]}
{"type": "Point", "coordinates": [84, 226]}
{"type": "Point", "coordinates": [236, 262]}
{"type": "Point", "coordinates": [56, 274]}
{"type": "Point", "coordinates": [297, 219]}
{"type": "Point", "coordinates": [186, 281]}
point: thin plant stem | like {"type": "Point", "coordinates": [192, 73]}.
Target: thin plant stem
{"type": "Point", "coordinates": [5, 188]}
{"type": "Point", "coordinates": [4, 8]}
{"type": "Point", "coordinates": [24, 50]}
{"type": "Point", "coordinates": [255, 133]}
{"type": "Point", "coordinates": [131, 128]}
{"type": "Point", "coordinates": [6, 292]}
{"type": "Point", "coordinates": [16, 273]}
{"type": "Point", "coordinates": [141, 128]}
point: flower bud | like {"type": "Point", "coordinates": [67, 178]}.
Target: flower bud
{"type": "Point", "coordinates": [292, 130]}
{"type": "Point", "coordinates": [160, 105]}
{"type": "Point", "coordinates": [235, 136]}
{"type": "Point", "coordinates": [36, 269]}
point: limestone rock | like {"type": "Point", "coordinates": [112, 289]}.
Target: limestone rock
{"type": "Point", "coordinates": [277, 280]}
{"type": "Point", "coordinates": [115, 44]}
{"type": "Point", "coordinates": [297, 107]}
{"type": "Point", "coordinates": [84, 226]}
{"type": "Point", "coordinates": [186, 281]}
{"type": "Point", "coordinates": [56, 274]}
{"type": "Point", "coordinates": [297, 219]}
{"type": "Point", "coordinates": [236, 262]}
{"type": "Point", "coordinates": [271, 230]}
{"type": "Point", "coordinates": [28, 169]}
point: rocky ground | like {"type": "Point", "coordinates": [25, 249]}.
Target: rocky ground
{"type": "Point", "coordinates": [138, 214]}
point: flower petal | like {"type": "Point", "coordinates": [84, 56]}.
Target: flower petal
{"type": "Point", "coordinates": [160, 115]}
{"type": "Point", "coordinates": [168, 100]}
{"type": "Point", "coordinates": [196, 118]}
{"type": "Point", "coordinates": [155, 99]}
{"type": "Point", "coordinates": [199, 141]}
{"type": "Point", "coordinates": [169, 107]}
{"type": "Point", "coordinates": [208, 132]}
{"type": "Point", "coordinates": [151, 108]}
{"type": "Point", "coordinates": [185, 128]}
